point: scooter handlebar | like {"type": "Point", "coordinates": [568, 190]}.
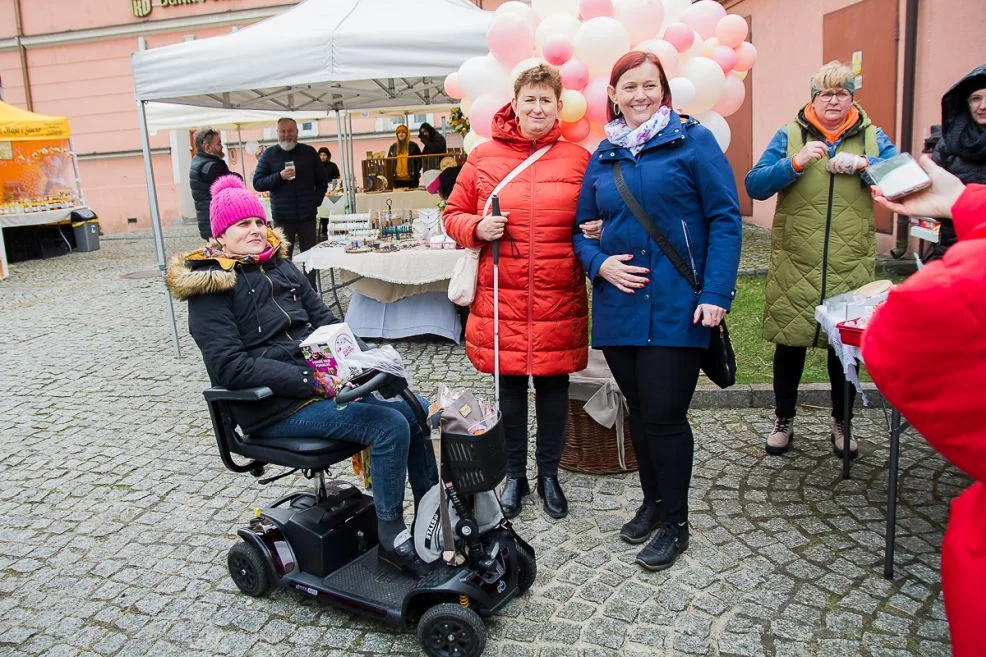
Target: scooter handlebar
{"type": "Point", "coordinates": [377, 381]}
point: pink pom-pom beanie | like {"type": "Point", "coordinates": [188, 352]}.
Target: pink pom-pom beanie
{"type": "Point", "coordinates": [231, 202]}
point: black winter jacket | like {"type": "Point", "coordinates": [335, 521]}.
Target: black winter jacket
{"type": "Point", "coordinates": [204, 171]}
{"type": "Point", "coordinates": [962, 147]}
{"type": "Point", "coordinates": [248, 321]}
{"type": "Point", "coordinates": [292, 201]}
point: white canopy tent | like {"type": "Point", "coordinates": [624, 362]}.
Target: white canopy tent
{"type": "Point", "coordinates": [320, 55]}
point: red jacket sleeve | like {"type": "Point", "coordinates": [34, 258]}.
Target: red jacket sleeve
{"type": "Point", "coordinates": [926, 346]}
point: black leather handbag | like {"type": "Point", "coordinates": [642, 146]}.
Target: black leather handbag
{"type": "Point", "coordinates": [719, 360]}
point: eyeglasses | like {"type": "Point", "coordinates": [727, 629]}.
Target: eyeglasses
{"type": "Point", "coordinates": [976, 100]}
{"type": "Point", "coordinates": [842, 95]}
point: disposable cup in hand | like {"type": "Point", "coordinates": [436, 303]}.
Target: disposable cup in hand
{"type": "Point", "coordinates": [289, 166]}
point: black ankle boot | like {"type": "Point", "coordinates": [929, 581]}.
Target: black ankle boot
{"type": "Point", "coordinates": [662, 551]}
{"type": "Point", "coordinates": [514, 490]}
{"type": "Point", "coordinates": [555, 504]}
{"type": "Point", "coordinates": [639, 528]}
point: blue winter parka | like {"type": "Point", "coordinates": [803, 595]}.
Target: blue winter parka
{"type": "Point", "coordinates": [683, 181]}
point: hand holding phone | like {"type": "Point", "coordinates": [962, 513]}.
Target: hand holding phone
{"type": "Point", "coordinates": [898, 176]}
{"type": "Point", "coordinates": [935, 200]}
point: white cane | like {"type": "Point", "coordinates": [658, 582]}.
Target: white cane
{"type": "Point", "coordinates": [495, 208]}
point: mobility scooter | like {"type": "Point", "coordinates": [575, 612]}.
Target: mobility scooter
{"type": "Point", "coordinates": [323, 543]}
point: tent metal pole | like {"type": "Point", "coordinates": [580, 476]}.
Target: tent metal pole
{"type": "Point", "coordinates": [78, 174]}
{"type": "Point", "coordinates": [352, 158]}
{"type": "Point", "coordinates": [156, 221]}
{"type": "Point", "coordinates": [239, 147]}
{"type": "Point", "coordinates": [342, 158]}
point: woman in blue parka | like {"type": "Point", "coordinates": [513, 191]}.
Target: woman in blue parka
{"type": "Point", "coordinates": [649, 322]}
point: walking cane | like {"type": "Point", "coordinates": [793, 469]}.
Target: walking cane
{"type": "Point", "coordinates": [495, 209]}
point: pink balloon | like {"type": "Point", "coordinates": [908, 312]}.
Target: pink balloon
{"type": "Point", "coordinates": [557, 49]}
{"type": "Point", "coordinates": [680, 36]}
{"type": "Point", "coordinates": [452, 88]}
{"type": "Point", "coordinates": [746, 57]}
{"type": "Point", "coordinates": [591, 143]}
{"type": "Point", "coordinates": [592, 8]}
{"type": "Point", "coordinates": [510, 39]}
{"type": "Point", "coordinates": [731, 30]}
{"type": "Point", "coordinates": [596, 99]}
{"type": "Point", "coordinates": [576, 131]}
{"type": "Point", "coordinates": [666, 52]}
{"type": "Point", "coordinates": [732, 96]}
{"type": "Point", "coordinates": [481, 114]}
{"type": "Point", "coordinates": [574, 74]}
{"type": "Point", "coordinates": [725, 57]}
{"type": "Point", "coordinates": [703, 16]}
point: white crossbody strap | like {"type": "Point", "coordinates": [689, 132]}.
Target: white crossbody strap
{"type": "Point", "coordinates": [534, 157]}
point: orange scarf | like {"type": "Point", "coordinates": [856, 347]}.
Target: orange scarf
{"type": "Point", "coordinates": [831, 136]}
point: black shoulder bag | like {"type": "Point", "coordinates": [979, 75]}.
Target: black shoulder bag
{"type": "Point", "coordinates": [719, 361]}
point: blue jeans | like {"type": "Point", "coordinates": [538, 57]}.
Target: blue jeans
{"type": "Point", "coordinates": [399, 447]}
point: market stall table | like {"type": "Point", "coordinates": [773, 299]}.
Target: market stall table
{"type": "Point", "coordinates": [851, 357]}
{"type": "Point", "coordinates": [32, 219]}
{"type": "Point", "coordinates": [396, 294]}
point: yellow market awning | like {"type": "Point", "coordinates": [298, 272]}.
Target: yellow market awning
{"type": "Point", "coordinates": [17, 124]}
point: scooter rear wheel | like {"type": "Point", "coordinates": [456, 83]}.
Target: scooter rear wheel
{"type": "Point", "coordinates": [451, 630]}
{"type": "Point", "coordinates": [528, 569]}
{"type": "Point", "coordinates": [248, 568]}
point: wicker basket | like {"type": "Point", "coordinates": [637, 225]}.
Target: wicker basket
{"type": "Point", "coordinates": [591, 447]}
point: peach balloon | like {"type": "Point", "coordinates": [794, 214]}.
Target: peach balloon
{"type": "Point", "coordinates": [576, 131]}
{"type": "Point", "coordinates": [731, 30]}
{"type": "Point", "coordinates": [558, 49]}
{"type": "Point", "coordinates": [680, 36]}
{"type": "Point", "coordinates": [709, 81]}
{"type": "Point", "coordinates": [574, 74]}
{"type": "Point", "coordinates": [596, 98]}
{"type": "Point", "coordinates": [665, 52]}
{"type": "Point", "coordinates": [704, 15]}
{"type": "Point", "coordinates": [472, 140]}
{"type": "Point", "coordinates": [510, 39]}
{"type": "Point", "coordinates": [572, 106]}
{"type": "Point", "coordinates": [593, 8]}
{"type": "Point", "coordinates": [725, 57]}
{"type": "Point", "coordinates": [739, 74]}
{"type": "Point", "coordinates": [452, 88]}
{"type": "Point", "coordinates": [732, 96]}
{"type": "Point", "coordinates": [746, 56]}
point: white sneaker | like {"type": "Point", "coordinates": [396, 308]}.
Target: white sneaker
{"type": "Point", "coordinates": [779, 440]}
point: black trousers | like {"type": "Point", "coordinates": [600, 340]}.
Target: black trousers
{"type": "Point", "coordinates": [658, 383]}
{"type": "Point", "coordinates": [301, 233]}
{"type": "Point", "coordinates": [789, 364]}
{"type": "Point", "coordinates": [551, 413]}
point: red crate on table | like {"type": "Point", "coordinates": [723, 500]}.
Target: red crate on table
{"type": "Point", "coordinates": [851, 332]}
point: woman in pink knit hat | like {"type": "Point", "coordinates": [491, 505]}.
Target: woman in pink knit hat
{"type": "Point", "coordinates": [249, 309]}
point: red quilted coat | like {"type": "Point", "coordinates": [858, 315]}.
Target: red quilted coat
{"type": "Point", "coordinates": [926, 350]}
{"type": "Point", "coordinates": [543, 309]}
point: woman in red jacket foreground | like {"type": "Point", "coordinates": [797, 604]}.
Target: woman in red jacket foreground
{"type": "Point", "coordinates": [926, 350]}
{"type": "Point", "coordinates": [543, 308]}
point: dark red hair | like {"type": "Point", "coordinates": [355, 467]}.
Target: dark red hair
{"type": "Point", "coordinates": [633, 59]}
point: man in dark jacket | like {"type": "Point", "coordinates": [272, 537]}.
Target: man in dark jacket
{"type": "Point", "coordinates": [296, 179]}
{"type": "Point", "coordinates": [207, 166]}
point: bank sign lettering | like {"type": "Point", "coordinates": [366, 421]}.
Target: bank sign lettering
{"type": "Point", "coordinates": [142, 8]}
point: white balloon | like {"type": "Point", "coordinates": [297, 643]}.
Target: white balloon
{"type": "Point", "coordinates": [673, 9]}
{"type": "Point", "coordinates": [519, 9]}
{"type": "Point", "coordinates": [251, 147]}
{"type": "Point", "coordinates": [682, 92]}
{"type": "Point", "coordinates": [667, 53]}
{"type": "Point", "coordinates": [709, 81]}
{"type": "Point", "coordinates": [563, 24]}
{"type": "Point", "coordinates": [545, 8]}
{"type": "Point", "coordinates": [718, 127]}
{"type": "Point", "coordinates": [641, 18]}
{"type": "Point", "coordinates": [600, 42]}
{"type": "Point", "coordinates": [483, 74]}
{"type": "Point", "coordinates": [471, 140]}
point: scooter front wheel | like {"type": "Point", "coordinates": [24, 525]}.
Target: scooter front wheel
{"type": "Point", "coordinates": [451, 630]}
{"type": "Point", "coordinates": [248, 569]}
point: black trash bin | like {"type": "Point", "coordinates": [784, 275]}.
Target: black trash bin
{"type": "Point", "coordinates": [85, 226]}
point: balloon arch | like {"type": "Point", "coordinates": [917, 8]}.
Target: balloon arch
{"type": "Point", "coordinates": [702, 48]}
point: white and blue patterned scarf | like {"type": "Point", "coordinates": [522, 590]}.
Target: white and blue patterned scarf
{"type": "Point", "coordinates": [619, 133]}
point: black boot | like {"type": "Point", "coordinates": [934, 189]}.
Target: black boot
{"type": "Point", "coordinates": [555, 504]}
{"type": "Point", "coordinates": [662, 551]}
{"type": "Point", "coordinates": [638, 529]}
{"type": "Point", "coordinates": [514, 489]}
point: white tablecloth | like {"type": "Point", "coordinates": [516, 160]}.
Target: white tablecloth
{"type": "Point", "coordinates": [428, 313]}
{"type": "Point", "coordinates": [412, 199]}
{"type": "Point", "coordinates": [839, 309]}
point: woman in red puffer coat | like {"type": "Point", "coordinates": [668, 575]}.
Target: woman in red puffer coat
{"type": "Point", "coordinates": [926, 350]}
{"type": "Point", "coordinates": [543, 308]}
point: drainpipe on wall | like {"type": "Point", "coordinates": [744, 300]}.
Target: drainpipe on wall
{"type": "Point", "coordinates": [907, 108]}
{"type": "Point", "coordinates": [23, 53]}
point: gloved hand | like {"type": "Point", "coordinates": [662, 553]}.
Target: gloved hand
{"type": "Point", "coordinates": [846, 163]}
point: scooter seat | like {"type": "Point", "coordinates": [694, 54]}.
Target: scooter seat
{"type": "Point", "coordinates": [309, 452]}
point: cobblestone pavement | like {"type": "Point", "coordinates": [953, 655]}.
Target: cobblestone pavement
{"type": "Point", "coordinates": [117, 513]}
